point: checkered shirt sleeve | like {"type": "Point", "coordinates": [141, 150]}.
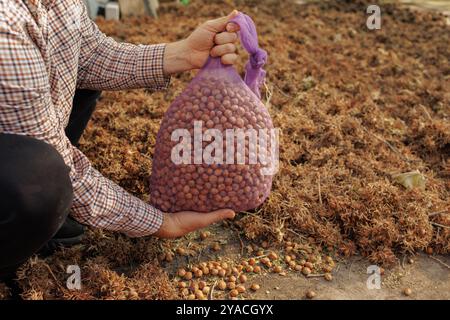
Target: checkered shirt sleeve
{"type": "Point", "coordinates": [27, 108]}
{"type": "Point", "coordinates": [105, 64]}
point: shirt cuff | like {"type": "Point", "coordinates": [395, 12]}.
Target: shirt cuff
{"type": "Point", "coordinates": [150, 73]}
{"type": "Point", "coordinates": [146, 220]}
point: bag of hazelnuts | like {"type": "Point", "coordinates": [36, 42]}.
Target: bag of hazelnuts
{"type": "Point", "coordinates": [217, 147]}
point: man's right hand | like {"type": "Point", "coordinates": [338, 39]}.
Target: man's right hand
{"type": "Point", "coordinates": [178, 224]}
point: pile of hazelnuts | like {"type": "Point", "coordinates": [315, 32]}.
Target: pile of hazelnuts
{"type": "Point", "coordinates": [201, 186]}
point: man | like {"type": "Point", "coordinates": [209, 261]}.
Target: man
{"type": "Point", "coordinates": [48, 50]}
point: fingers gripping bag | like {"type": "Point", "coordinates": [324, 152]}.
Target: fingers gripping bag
{"type": "Point", "coordinates": [216, 147]}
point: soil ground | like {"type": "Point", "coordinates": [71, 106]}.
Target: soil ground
{"type": "Point", "coordinates": [426, 277]}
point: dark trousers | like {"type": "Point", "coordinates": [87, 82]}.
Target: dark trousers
{"type": "Point", "coordinates": [35, 188]}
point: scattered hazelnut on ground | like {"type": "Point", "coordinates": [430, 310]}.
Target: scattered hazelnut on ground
{"type": "Point", "coordinates": [199, 273]}
{"type": "Point", "coordinates": [222, 273]}
{"type": "Point", "coordinates": [310, 294]}
{"type": "Point", "coordinates": [204, 235]}
{"type": "Point", "coordinates": [216, 246]}
{"type": "Point", "coordinates": [193, 286]}
{"type": "Point", "coordinates": [205, 270]}
{"type": "Point", "coordinates": [191, 297]}
{"type": "Point", "coordinates": [272, 256]}
{"type": "Point", "coordinates": [188, 275]}
{"type": "Point", "coordinates": [206, 290]}
{"type": "Point", "coordinates": [181, 272]}
{"type": "Point", "coordinates": [182, 284]}
{"type": "Point", "coordinates": [234, 293]}
{"type": "Point", "coordinates": [231, 285]}
{"type": "Point", "coordinates": [201, 284]}
{"type": "Point", "coordinates": [257, 269]}
{"type": "Point", "coordinates": [249, 269]}
{"type": "Point", "coordinates": [199, 294]}
{"type": "Point", "coordinates": [169, 257]}
{"type": "Point", "coordinates": [240, 289]}
{"type": "Point", "coordinates": [328, 276]}
{"type": "Point", "coordinates": [306, 271]}
{"type": "Point", "coordinates": [407, 292]}
{"type": "Point", "coordinates": [222, 285]}
{"type": "Point", "coordinates": [277, 269]}
{"type": "Point", "coordinates": [298, 267]}
{"type": "Point", "coordinates": [181, 251]}
{"type": "Point", "coordinates": [255, 287]}
{"type": "Point", "coordinates": [242, 278]}
{"type": "Point", "coordinates": [185, 292]}
{"type": "Point", "coordinates": [327, 269]}
{"type": "Point", "coordinates": [214, 272]}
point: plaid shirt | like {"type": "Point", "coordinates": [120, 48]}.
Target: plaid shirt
{"type": "Point", "coordinates": [48, 48]}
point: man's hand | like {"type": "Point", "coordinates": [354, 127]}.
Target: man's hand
{"type": "Point", "coordinates": [214, 37]}
{"type": "Point", "coordinates": [178, 224]}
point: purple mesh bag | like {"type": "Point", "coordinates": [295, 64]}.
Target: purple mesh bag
{"type": "Point", "coordinates": [206, 147]}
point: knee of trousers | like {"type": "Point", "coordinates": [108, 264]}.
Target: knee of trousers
{"type": "Point", "coordinates": [35, 196]}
